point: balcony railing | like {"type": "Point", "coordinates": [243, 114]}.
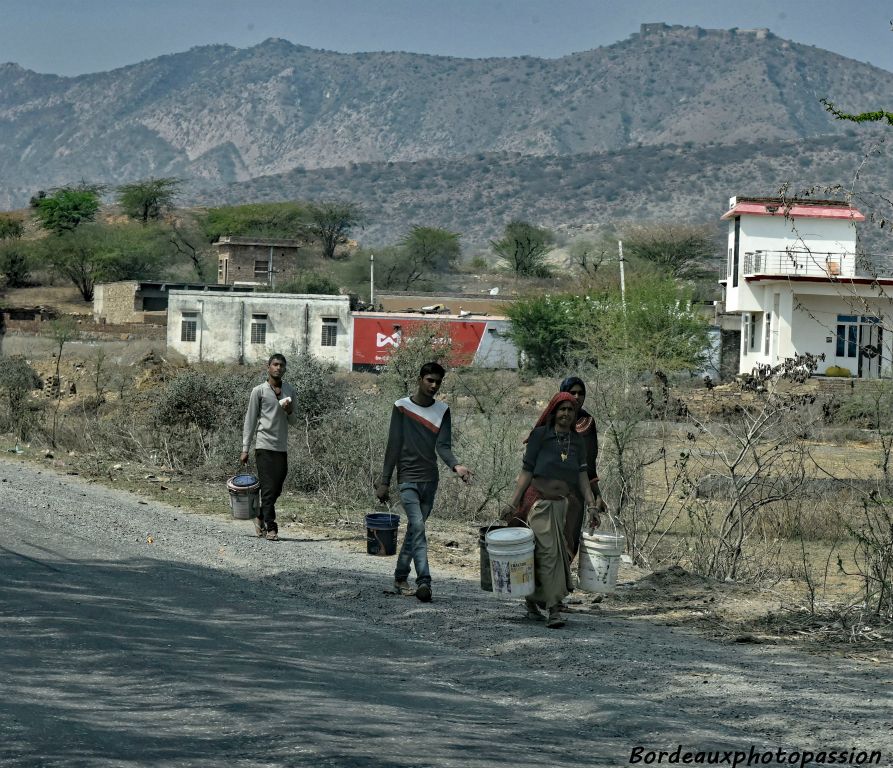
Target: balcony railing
{"type": "Point", "coordinates": [800, 262]}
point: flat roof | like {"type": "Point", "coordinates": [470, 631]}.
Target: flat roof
{"type": "Point", "coordinates": [855, 280]}
{"type": "Point", "coordinates": [472, 317]}
{"type": "Point", "coordinates": [276, 242]}
{"type": "Point", "coordinates": [792, 208]}
{"type": "Point", "coordinates": [266, 295]}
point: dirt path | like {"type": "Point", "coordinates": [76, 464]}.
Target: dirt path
{"type": "Point", "coordinates": [206, 646]}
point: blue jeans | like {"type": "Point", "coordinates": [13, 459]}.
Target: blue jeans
{"type": "Point", "coordinates": [417, 500]}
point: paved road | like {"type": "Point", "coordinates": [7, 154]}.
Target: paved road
{"type": "Point", "coordinates": [210, 648]}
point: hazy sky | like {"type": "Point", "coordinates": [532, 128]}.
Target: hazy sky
{"type": "Point", "coordinates": [72, 37]}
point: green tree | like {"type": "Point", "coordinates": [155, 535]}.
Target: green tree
{"type": "Point", "coordinates": [14, 261]}
{"type": "Point", "coordinates": [658, 329]}
{"type": "Point", "coordinates": [588, 255]}
{"type": "Point", "coordinates": [149, 199]}
{"type": "Point", "coordinates": [66, 208]}
{"type": "Point", "coordinates": [332, 221]}
{"type": "Point", "coordinates": [101, 252]}
{"type": "Point", "coordinates": [523, 248]}
{"type": "Point", "coordinates": [186, 238]}
{"type": "Point", "coordinates": [285, 220]}
{"type": "Point", "coordinates": [680, 250]}
{"type": "Point", "coordinates": [432, 248]}
{"type": "Point", "coordinates": [878, 116]}
{"type": "Point", "coordinates": [549, 329]}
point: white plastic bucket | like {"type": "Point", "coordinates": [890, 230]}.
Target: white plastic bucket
{"type": "Point", "coordinates": [511, 561]}
{"type": "Point", "coordinates": [244, 505]}
{"type": "Point", "coordinates": [600, 560]}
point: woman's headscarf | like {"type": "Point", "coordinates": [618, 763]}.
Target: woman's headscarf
{"type": "Point", "coordinates": [584, 419]}
{"type": "Point", "coordinates": [560, 397]}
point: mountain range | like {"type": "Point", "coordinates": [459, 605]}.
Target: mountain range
{"type": "Point", "coordinates": [278, 120]}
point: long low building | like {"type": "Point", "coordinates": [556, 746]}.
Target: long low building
{"type": "Point", "coordinates": [247, 327]}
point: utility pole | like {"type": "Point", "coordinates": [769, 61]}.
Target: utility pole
{"type": "Point", "coordinates": [622, 277]}
{"type": "Point", "coordinates": [372, 280]}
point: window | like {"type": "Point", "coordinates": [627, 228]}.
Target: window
{"type": "Point", "coordinates": [768, 323]}
{"type": "Point", "coordinates": [329, 332]}
{"type": "Point", "coordinates": [729, 264]}
{"type": "Point", "coordinates": [188, 326]}
{"type": "Point", "coordinates": [846, 340]}
{"type": "Point", "coordinates": [261, 268]}
{"type": "Point", "coordinates": [746, 329]}
{"type": "Point", "coordinates": [258, 329]}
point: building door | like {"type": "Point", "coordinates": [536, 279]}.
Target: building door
{"type": "Point", "coordinates": [859, 345]}
{"type": "Point", "coordinates": [871, 345]}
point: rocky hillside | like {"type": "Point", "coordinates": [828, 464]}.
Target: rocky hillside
{"type": "Point", "coordinates": [478, 195]}
{"type": "Point", "coordinates": [218, 114]}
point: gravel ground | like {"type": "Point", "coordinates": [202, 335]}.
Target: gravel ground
{"type": "Point", "coordinates": [583, 695]}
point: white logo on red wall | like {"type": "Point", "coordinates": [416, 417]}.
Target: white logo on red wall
{"type": "Point", "coordinates": [383, 340]}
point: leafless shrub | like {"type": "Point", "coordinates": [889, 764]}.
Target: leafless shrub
{"type": "Point", "coordinates": [487, 436]}
{"type": "Point", "coordinates": [17, 381]}
{"type": "Point", "coordinates": [873, 534]}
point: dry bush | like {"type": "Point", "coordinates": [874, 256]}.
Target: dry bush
{"type": "Point", "coordinates": [488, 431]}
{"type": "Point", "coordinates": [19, 414]}
{"type": "Point", "coordinates": [640, 474]}
{"type": "Point", "coordinates": [338, 456]}
{"type": "Point", "coordinates": [197, 416]}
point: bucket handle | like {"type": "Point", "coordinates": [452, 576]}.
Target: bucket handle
{"type": "Point", "coordinates": [613, 521]}
{"type": "Point", "coordinates": [491, 526]}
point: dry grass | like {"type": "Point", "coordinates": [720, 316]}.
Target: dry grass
{"type": "Point", "coordinates": [65, 299]}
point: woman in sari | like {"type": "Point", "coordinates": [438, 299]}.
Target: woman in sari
{"type": "Point", "coordinates": [584, 426]}
{"type": "Point", "coordinates": [554, 466]}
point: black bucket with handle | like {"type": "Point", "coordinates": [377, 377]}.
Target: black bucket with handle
{"type": "Point", "coordinates": [381, 533]}
{"type": "Point", "coordinates": [486, 576]}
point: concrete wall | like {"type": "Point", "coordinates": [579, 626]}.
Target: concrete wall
{"type": "Point", "coordinates": [294, 324]}
{"type": "Point", "coordinates": [116, 303]}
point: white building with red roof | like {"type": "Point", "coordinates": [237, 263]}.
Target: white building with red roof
{"type": "Point", "coordinates": [794, 275]}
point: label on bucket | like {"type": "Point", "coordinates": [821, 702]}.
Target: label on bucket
{"type": "Point", "coordinates": [512, 577]}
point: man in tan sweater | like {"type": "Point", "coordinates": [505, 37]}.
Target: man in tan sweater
{"type": "Point", "coordinates": [271, 408]}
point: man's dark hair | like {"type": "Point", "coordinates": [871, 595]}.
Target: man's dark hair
{"type": "Point", "coordinates": [429, 368]}
{"type": "Point", "coordinates": [277, 356]}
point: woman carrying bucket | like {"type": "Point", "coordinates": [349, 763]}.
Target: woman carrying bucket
{"type": "Point", "coordinates": [585, 427]}
{"type": "Point", "coordinates": [554, 465]}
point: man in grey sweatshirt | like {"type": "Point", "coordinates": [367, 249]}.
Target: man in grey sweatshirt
{"type": "Point", "coordinates": [271, 408]}
{"type": "Point", "coordinates": [420, 431]}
